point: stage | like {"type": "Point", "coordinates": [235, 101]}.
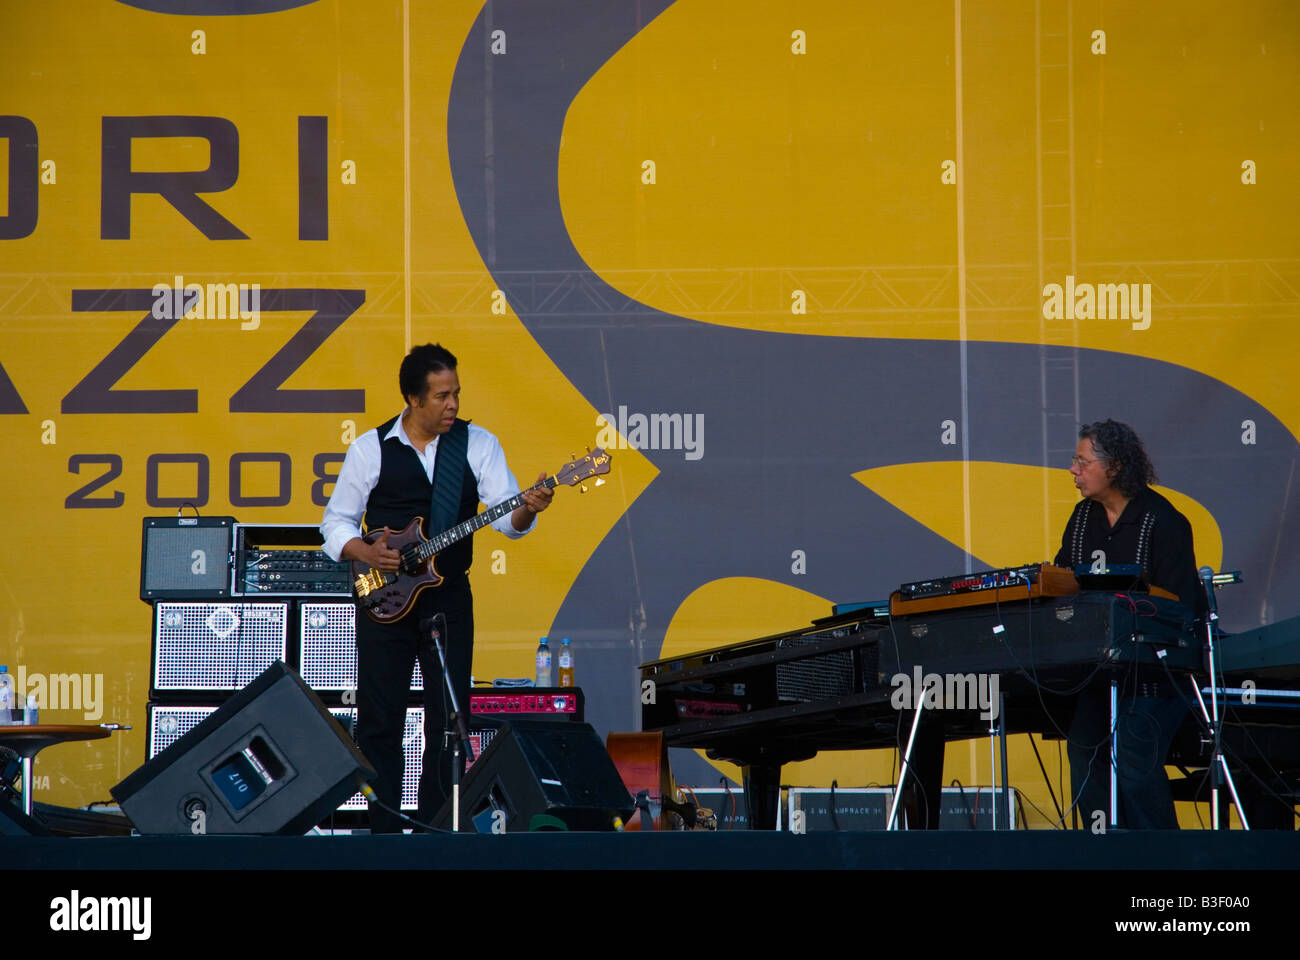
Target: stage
{"type": "Point", "coordinates": [743, 850]}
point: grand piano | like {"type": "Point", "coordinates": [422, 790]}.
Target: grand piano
{"type": "Point", "coordinates": [831, 685]}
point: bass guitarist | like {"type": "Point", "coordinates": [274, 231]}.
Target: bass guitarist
{"type": "Point", "coordinates": [423, 461]}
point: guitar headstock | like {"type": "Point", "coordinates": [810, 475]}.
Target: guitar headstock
{"type": "Point", "coordinates": [584, 468]}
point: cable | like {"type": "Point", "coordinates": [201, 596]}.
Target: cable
{"type": "Point", "coordinates": [368, 792]}
{"type": "Point", "coordinates": [1114, 725]}
{"type": "Point", "coordinates": [1242, 764]}
{"type": "Point", "coordinates": [1277, 774]}
{"type": "Point", "coordinates": [1046, 780]}
{"type": "Point", "coordinates": [1047, 817]}
{"type": "Point", "coordinates": [728, 803]}
{"type": "Point", "coordinates": [972, 812]}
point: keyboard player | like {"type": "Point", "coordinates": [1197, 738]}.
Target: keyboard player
{"type": "Point", "coordinates": [1119, 520]}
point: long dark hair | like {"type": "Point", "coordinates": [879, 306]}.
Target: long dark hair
{"type": "Point", "coordinates": [1118, 443]}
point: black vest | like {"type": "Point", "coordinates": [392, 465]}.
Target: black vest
{"type": "Point", "coordinates": [404, 492]}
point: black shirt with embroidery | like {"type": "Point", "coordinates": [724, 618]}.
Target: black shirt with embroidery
{"type": "Point", "coordinates": [1150, 532]}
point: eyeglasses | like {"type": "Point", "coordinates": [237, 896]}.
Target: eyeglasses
{"type": "Point", "coordinates": [1082, 462]}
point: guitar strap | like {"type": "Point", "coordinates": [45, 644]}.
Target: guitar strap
{"type": "Point", "coordinates": [448, 478]}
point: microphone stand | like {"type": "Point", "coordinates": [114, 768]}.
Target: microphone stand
{"type": "Point", "coordinates": [456, 727]}
{"type": "Point", "coordinates": [1217, 760]}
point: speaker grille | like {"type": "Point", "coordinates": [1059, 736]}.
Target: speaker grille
{"type": "Point", "coordinates": [823, 677]}
{"type": "Point", "coordinates": [216, 646]}
{"type": "Point", "coordinates": [169, 724]}
{"type": "Point", "coordinates": [328, 647]}
{"type": "Point", "coordinates": [186, 558]}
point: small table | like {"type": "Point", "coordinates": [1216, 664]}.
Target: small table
{"type": "Point", "coordinates": [29, 740]}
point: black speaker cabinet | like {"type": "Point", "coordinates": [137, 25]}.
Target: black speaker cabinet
{"type": "Point", "coordinates": [169, 722]}
{"type": "Point", "coordinates": [270, 760]}
{"type": "Point", "coordinates": [541, 774]}
{"type": "Point", "coordinates": [185, 558]}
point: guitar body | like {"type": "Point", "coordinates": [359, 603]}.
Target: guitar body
{"type": "Point", "coordinates": [393, 594]}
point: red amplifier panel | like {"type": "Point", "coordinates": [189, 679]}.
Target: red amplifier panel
{"type": "Point", "coordinates": [557, 702]}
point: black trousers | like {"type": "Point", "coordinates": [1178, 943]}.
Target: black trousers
{"type": "Point", "coordinates": [386, 656]}
{"type": "Point", "coordinates": [1145, 726]}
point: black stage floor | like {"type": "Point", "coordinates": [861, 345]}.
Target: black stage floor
{"type": "Point", "coordinates": [1034, 850]}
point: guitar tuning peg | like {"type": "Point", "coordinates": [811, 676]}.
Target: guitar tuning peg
{"type": "Point", "coordinates": [600, 481]}
{"type": "Point", "coordinates": [572, 457]}
{"type": "Point", "coordinates": [589, 451]}
{"type": "Point", "coordinates": [582, 488]}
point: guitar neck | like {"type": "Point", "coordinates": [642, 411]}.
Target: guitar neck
{"type": "Point", "coordinates": [442, 541]}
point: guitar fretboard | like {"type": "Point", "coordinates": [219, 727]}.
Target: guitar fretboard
{"type": "Point", "coordinates": [442, 541]}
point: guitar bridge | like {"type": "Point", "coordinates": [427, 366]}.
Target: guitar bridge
{"type": "Point", "coordinates": [368, 583]}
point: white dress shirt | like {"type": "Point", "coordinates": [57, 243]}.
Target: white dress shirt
{"type": "Point", "coordinates": [360, 473]}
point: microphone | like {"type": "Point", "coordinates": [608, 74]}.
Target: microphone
{"type": "Point", "coordinates": [429, 625]}
{"type": "Point", "coordinates": [1207, 581]}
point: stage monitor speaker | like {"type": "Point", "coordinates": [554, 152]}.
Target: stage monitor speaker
{"type": "Point", "coordinates": [541, 774]}
{"type": "Point", "coordinates": [270, 760]}
{"type": "Point", "coordinates": [186, 558]}
{"type": "Point", "coordinates": [169, 722]}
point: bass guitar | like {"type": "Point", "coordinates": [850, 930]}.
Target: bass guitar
{"type": "Point", "coordinates": [389, 596]}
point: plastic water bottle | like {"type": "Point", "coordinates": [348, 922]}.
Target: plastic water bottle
{"type": "Point", "coordinates": [544, 663]}
{"type": "Point", "coordinates": [31, 716]}
{"type": "Point", "coordinates": [566, 663]}
{"type": "Point", "coordinates": [6, 695]}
